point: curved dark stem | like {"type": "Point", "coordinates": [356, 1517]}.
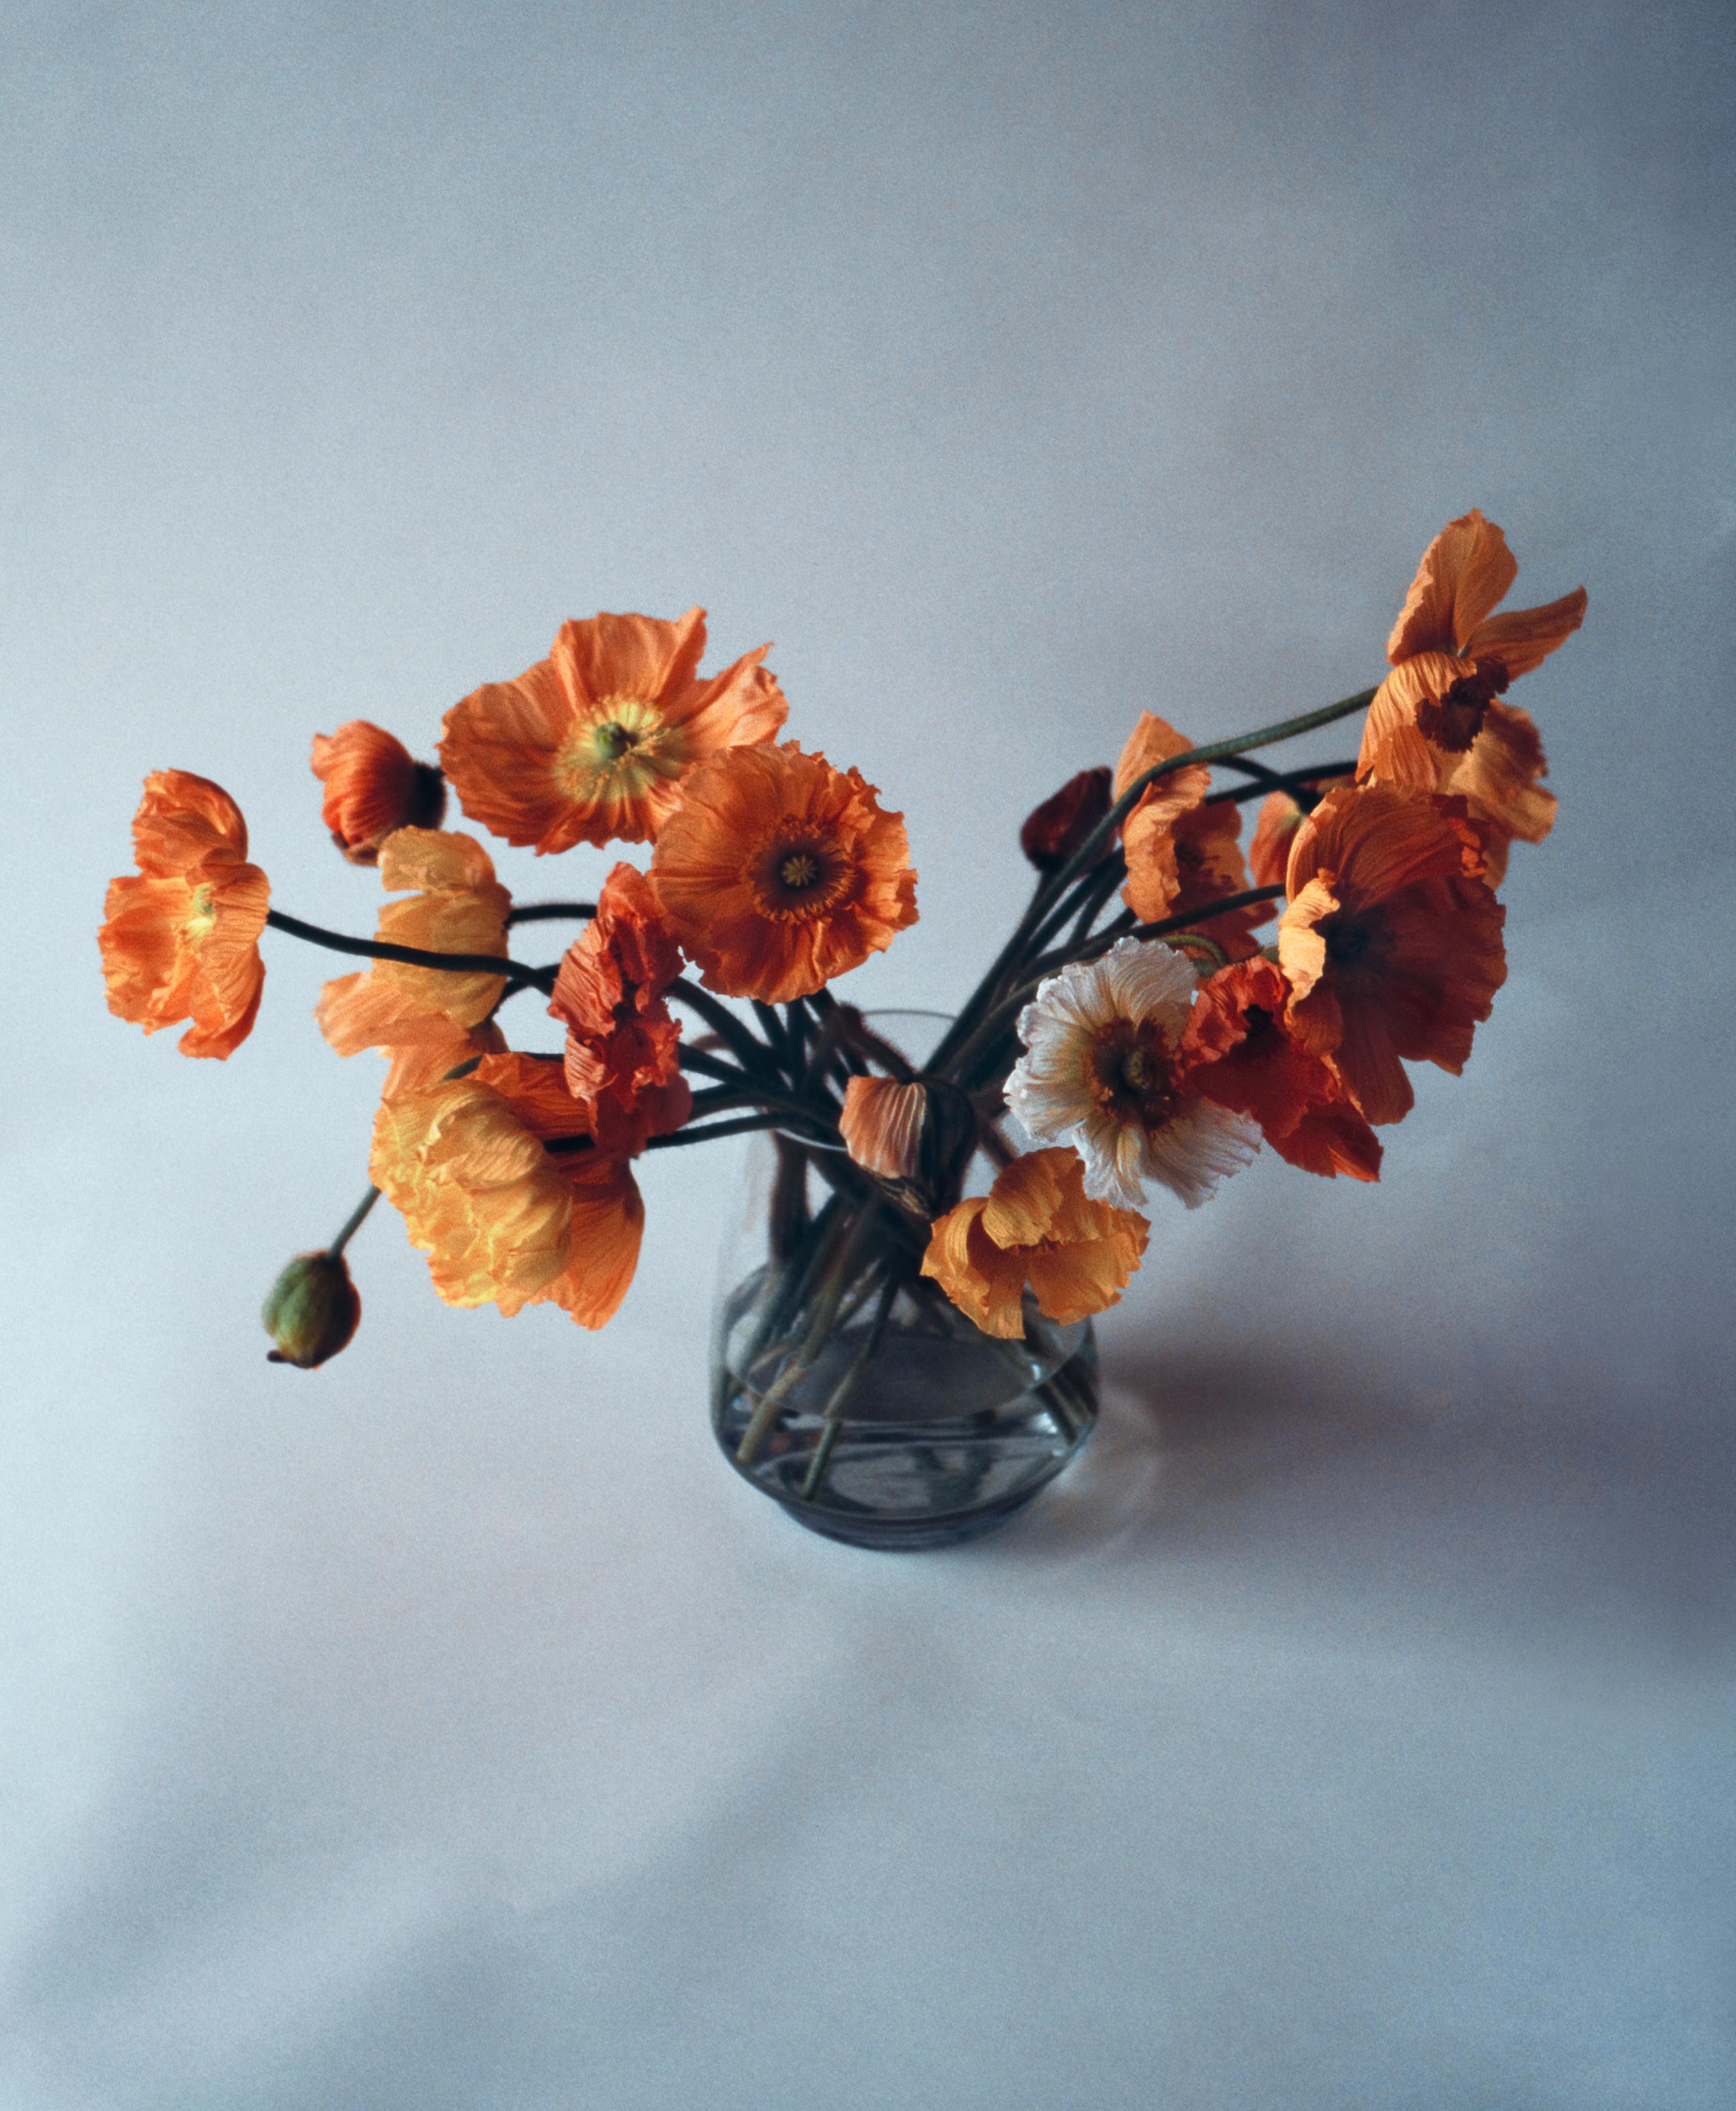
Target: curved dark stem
{"type": "Point", "coordinates": [1299, 783]}
{"type": "Point", "coordinates": [771, 1025]}
{"type": "Point", "coordinates": [515, 972]}
{"type": "Point", "coordinates": [677, 1138]}
{"type": "Point", "coordinates": [549, 912]}
{"type": "Point", "coordinates": [749, 1049]}
{"type": "Point", "coordinates": [1125, 927]}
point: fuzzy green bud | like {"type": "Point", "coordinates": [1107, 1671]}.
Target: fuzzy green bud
{"type": "Point", "coordinates": [312, 1310]}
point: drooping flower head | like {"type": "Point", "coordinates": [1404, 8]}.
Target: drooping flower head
{"type": "Point", "coordinates": [1154, 877]}
{"type": "Point", "coordinates": [1435, 724]}
{"type": "Point", "coordinates": [1238, 1051]}
{"type": "Point", "coordinates": [1036, 1228]}
{"type": "Point", "coordinates": [364, 1011]}
{"type": "Point", "coordinates": [1391, 942]}
{"type": "Point", "coordinates": [373, 785]}
{"type": "Point", "coordinates": [181, 941]}
{"type": "Point", "coordinates": [504, 1220]}
{"type": "Point", "coordinates": [592, 745]}
{"type": "Point", "coordinates": [777, 873]}
{"type": "Point", "coordinates": [1102, 1071]}
{"type": "Point", "coordinates": [622, 1062]}
{"type": "Point", "coordinates": [455, 905]}
{"type": "Point", "coordinates": [1054, 831]}
{"type": "Point", "coordinates": [428, 1020]}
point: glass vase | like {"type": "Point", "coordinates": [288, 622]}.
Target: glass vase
{"type": "Point", "coordinates": [849, 1389]}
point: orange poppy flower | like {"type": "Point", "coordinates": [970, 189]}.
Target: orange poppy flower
{"type": "Point", "coordinates": [1148, 834]}
{"type": "Point", "coordinates": [457, 906]}
{"type": "Point", "coordinates": [778, 872]}
{"type": "Point", "coordinates": [1034, 1226]}
{"type": "Point", "coordinates": [622, 1062]}
{"type": "Point", "coordinates": [1238, 1051]}
{"type": "Point", "coordinates": [1434, 724]}
{"type": "Point", "coordinates": [502, 1219]}
{"type": "Point", "coordinates": [373, 785]}
{"type": "Point", "coordinates": [592, 744]}
{"type": "Point", "coordinates": [1391, 942]}
{"type": "Point", "coordinates": [361, 1011]}
{"type": "Point", "coordinates": [1206, 843]}
{"type": "Point", "coordinates": [181, 940]}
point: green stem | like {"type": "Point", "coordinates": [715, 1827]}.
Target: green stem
{"type": "Point", "coordinates": [1298, 783]}
{"type": "Point", "coordinates": [352, 1223]}
{"type": "Point", "coordinates": [832, 1421]}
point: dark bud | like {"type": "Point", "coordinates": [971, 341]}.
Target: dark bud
{"type": "Point", "coordinates": [1056, 830]}
{"type": "Point", "coordinates": [312, 1311]}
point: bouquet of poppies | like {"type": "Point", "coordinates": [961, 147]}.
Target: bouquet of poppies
{"type": "Point", "coordinates": [1138, 1028]}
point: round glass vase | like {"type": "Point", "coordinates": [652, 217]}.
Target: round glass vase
{"type": "Point", "coordinates": [851, 1390]}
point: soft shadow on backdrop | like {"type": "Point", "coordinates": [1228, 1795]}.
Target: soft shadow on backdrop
{"type": "Point", "coordinates": [451, 1728]}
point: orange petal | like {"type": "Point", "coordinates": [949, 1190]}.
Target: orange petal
{"type": "Point", "coordinates": [1464, 573]}
{"type": "Point", "coordinates": [1153, 880]}
{"type": "Point", "coordinates": [1523, 638]}
{"type": "Point", "coordinates": [881, 1125]}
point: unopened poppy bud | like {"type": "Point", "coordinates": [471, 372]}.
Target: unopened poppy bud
{"type": "Point", "coordinates": [373, 786]}
{"type": "Point", "coordinates": [1060, 825]}
{"type": "Point", "coordinates": [312, 1310]}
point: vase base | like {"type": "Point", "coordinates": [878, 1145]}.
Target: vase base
{"type": "Point", "coordinates": [917, 1535]}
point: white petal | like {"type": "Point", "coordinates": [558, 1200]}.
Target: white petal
{"type": "Point", "coordinates": [1199, 1148]}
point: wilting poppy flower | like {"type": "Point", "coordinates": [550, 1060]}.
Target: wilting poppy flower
{"type": "Point", "coordinates": [777, 872]}
{"type": "Point", "coordinates": [1391, 942]}
{"type": "Point", "coordinates": [1101, 1070]}
{"type": "Point", "coordinates": [373, 785]}
{"type": "Point", "coordinates": [622, 1062]}
{"type": "Point", "coordinates": [881, 1125]}
{"type": "Point", "coordinates": [1206, 843]}
{"type": "Point", "coordinates": [502, 1219]}
{"type": "Point", "coordinates": [1435, 724]}
{"type": "Point", "coordinates": [1148, 834]}
{"type": "Point", "coordinates": [456, 907]}
{"type": "Point", "coordinates": [363, 1011]}
{"type": "Point", "coordinates": [181, 940]}
{"type": "Point", "coordinates": [592, 744]}
{"type": "Point", "coordinates": [1037, 1226]}
{"type": "Point", "coordinates": [1238, 1051]}
{"type": "Point", "coordinates": [1054, 831]}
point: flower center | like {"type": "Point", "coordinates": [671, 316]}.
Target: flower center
{"type": "Point", "coordinates": [1452, 722]}
{"type": "Point", "coordinates": [1130, 1064]}
{"type": "Point", "coordinates": [1346, 941]}
{"type": "Point", "coordinates": [624, 746]}
{"type": "Point", "coordinates": [798, 876]}
{"type": "Point", "coordinates": [202, 918]}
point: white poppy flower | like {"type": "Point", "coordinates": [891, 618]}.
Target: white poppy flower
{"type": "Point", "coordinates": [1098, 1073]}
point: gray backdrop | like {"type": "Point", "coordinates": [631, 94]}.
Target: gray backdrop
{"type": "Point", "coordinates": [450, 1728]}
